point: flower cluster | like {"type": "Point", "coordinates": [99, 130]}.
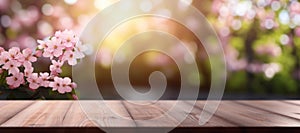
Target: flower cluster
{"type": "Point", "coordinates": [63, 47]}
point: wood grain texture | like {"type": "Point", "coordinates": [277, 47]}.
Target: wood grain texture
{"type": "Point", "coordinates": [297, 103]}
{"type": "Point", "coordinates": [76, 117]}
{"type": "Point", "coordinates": [245, 116]}
{"type": "Point", "coordinates": [192, 119]}
{"type": "Point", "coordinates": [276, 107]}
{"type": "Point", "coordinates": [9, 109]}
{"type": "Point", "coordinates": [41, 113]}
{"type": "Point", "coordinates": [105, 114]}
{"type": "Point", "coordinates": [146, 114]}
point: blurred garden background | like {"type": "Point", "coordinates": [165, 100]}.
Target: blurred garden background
{"type": "Point", "coordinates": [260, 38]}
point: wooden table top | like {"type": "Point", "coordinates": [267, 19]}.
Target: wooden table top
{"type": "Point", "coordinates": [238, 113]}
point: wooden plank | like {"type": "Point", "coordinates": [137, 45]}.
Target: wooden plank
{"type": "Point", "coordinates": [3, 103]}
{"type": "Point", "coordinates": [105, 114]}
{"type": "Point", "coordinates": [277, 107]}
{"type": "Point", "coordinates": [243, 115]}
{"type": "Point", "coordinates": [75, 117]}
{"type": "Point", "coordinates": [192, 119]}
{"type": "Point", "coordinates": [127, 114]}
{"type": "Point", "coordinates": [8, 109]}
{"type": "Point", "coordinates": [294, 102]}
{"type": "Point", "coordinates": [215, 120]}
{"type": "Point", "coordinates": [178, 114]}
{"type": "Point", "coordinates": [146, 114]}
{"type": "Point", "coordinates": [41, 114]}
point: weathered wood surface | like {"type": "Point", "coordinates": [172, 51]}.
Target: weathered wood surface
{"type": "Point", "coordinates": [133, 114]}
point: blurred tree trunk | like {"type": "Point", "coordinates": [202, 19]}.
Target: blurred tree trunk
{"type": "Point", "coordinates": [250, 38]}
{"type": "Point", "coordinates": [296, 55]}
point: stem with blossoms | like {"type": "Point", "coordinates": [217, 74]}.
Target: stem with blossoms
{"type": "Point", "coordinates": [17, 72]}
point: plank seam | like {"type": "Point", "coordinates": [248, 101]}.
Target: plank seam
{"type": "Point", "coordinates": [67, 112]}
{"type": "Point", "coordinates": [163, 109]}
{"type": "Point", "coordinates": [123, 104]}
{"type": "Point", "coordinates": [218, 116]}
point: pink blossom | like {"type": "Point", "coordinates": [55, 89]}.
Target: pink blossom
{"type": "Point", "coordinates": [73, 85]}
{"type": "Point", "coordinates": [62, 85]}
{"type": "Point", "coordinates": [14, 52]}
{"type": "Point", "coordinates": [56, 83]}
{"type": "Point", "coordinates": [65, 85]}
{"type": "Point", "coordinates": [64, 46]}
{"type": "Point", "coordinates": [15, 80]}
{"type": "Point", "coordinates": [38, 53]}
{"type": "Point", "coordinates": [34, 81]}
{"type": "Point", "coordinates": [67, 37]}
{"type": "Point", "coordinates": [75, 97]}
{"type": "Point", "coordinates": [12, 66]}
{"type": "Point", "coordinates": [53, 48]}
{"type": "Point", "coordinates": [27, 57]}
{"type": "Point", "coordinates": [28, 71]}
{"type": "Point", "coordinates": [42, 44]}
{"type": "Point", "coordinates": [48, 53]}
{"type": "Point", "coordinates": [4, 57]}
{"type": "Point", "coordinates": [56, 66]}
{"type": "Point", "coordinates": [1, 50]}
{"type": "Point", "coordinates": [79, 50]}
{"type": "Point", "coordinates": [45, 79]}
{"type": "Point", "coordinates": [70, 57]}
